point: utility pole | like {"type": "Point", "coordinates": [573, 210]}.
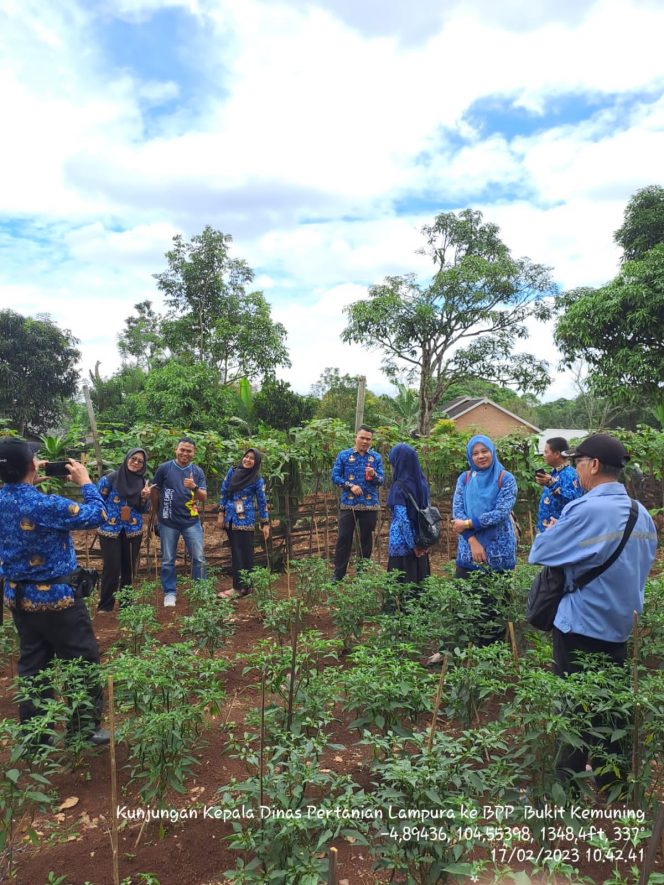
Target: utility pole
{"type": "Point", "coordinates": [359, 408]}
{"type": "Point", "coordinates": [93, 429]}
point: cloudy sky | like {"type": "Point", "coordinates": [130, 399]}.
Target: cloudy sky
{"type": "Point", "coordinates": [321, 134]}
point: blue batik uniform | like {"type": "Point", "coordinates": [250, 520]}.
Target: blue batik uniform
{"type": "Point", "coordinates": [245, 499]}
{"type": "Point", "coordinates": [35, 545]}
{"type": "Point", "coordinates": [114, 524]}
{"type": "Point", "coordinates": [492, 528]}
{"type": "Point", "coordinates": [350, 470]}
{"type": "Point", "coordinates": [401, 538]}
{"type": "Point", "coordinates": [564, 488]}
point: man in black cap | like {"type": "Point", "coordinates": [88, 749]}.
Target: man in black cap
{"type": "Point", "coordinates": [597, 618]}
{"type": "Point", "coordinates": [43, 586]}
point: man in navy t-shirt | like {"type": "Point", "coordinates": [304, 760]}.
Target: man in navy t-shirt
{"type": "Point", "coordinates": [178, 489]}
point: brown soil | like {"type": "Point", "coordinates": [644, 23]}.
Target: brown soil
{"type": "Point", "coordinates": [76, 843]}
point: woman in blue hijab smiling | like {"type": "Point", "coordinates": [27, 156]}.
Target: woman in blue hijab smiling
{"type": "Point", "coordinates": [408, 486]}
{"type": "Point", "coordinates": [482, 518]}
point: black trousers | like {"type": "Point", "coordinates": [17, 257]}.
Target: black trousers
{"type": "Point", "coordinates": [120, 556]}
{"type": "Point", "coordinates": [242, 556]}
{"type": "Point", "coordinates": [573, 759]}
{"type": "Point", "coordinates": [349, 520]}
{"type": "Point", "coordinates": [65, 634]}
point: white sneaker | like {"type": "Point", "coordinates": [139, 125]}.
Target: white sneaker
{"type": "Point", "coordinates": [169, 600]}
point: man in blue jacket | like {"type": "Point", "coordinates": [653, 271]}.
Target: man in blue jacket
{"type": "Point", "coordinates": [598, 618]}
{"type": "Point", "coordinates": [359, 474]}
{"type": "Point", "coordinates": [42, 583]}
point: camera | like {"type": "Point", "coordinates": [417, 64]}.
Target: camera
{"type": "Point", "coordinates": [57, 468]}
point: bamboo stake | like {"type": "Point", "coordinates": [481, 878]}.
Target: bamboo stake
{"type": "Point", "coordinates": [332, 868]}
{"type": "Point", "coordinates": [288, 582]}
{"type": "Point", "coordinates": [651, 851]}
{"type": "Point", "coordinates": [291, 687]}
{"type": "Point", "coordinates": [636, 728]}
{"type": "Point", "coordinates": [262, 741]}
{"type": "Point", "coordinates": [87, 550]}
{"type": "Point", "coordinates": [114, 783]}
{"type": "Point", "coordinates": [436, 703]}
{"type": "Point", "coordinates": [515, 650]}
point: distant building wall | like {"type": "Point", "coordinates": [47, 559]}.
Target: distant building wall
{"type": "Point", "coordinates": [491, 421]}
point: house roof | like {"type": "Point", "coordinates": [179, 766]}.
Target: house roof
{"type": "Point", "coordinates": [464, 404]}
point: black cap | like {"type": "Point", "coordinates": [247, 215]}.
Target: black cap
{"type": "Point", "coordinates": [17, 454]}
{"type": "Point", "coordinates": [602, 446]}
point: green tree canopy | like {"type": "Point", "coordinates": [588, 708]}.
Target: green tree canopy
{"type": "Point", "coordinates": [212, 319]}
{"type": "Point", "coordinates": [643, 225]}
{"type": "Point", "coordinates": [463, 324]}
{"type": "Point", "coordinates": [337, 396]}
{"type": "Point", "coordinates": [619, 330]}
{"type": "Point", "coordinates": [37, 371]}
{"type": "Point", "coordinates": [278, 406]}
{"type": "Point", "coordinates": [141, 340]}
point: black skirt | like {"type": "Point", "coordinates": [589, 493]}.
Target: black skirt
{"type": "Point", "coordinates": [415, 568]}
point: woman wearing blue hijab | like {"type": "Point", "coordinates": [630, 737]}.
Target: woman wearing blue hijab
{"type": "Point", "coordinates": [407, 477]}
{"type": "Point", "coordinates": [482, 518]}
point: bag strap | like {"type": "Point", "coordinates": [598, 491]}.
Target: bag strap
{"type": "Point", "coordinates": [600, 569]}
{"type": "Point", "coordinates": [414, 502]}
{"type": "Point", "coordinates": [500, 478]}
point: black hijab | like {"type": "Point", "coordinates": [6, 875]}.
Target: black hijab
{"type": "Point", "coordinates": [407, 476]}
{"type": "Point", "coordinates": [244, 476]}
{"type": "Point", "coordinates": [129, 483]}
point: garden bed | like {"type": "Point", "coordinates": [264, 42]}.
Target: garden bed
{"type": "Point", "coordinates": [75, 844]}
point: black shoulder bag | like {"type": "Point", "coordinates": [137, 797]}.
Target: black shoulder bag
{"type": "Point", "coordinates": [548, 587]}
{"type": "Point", "coordinates": [428, 522]}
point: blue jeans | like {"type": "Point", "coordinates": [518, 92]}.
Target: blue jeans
{"type": "Point", "coordinates": [193, 539]}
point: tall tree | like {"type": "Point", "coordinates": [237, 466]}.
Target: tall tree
{"type": "Point", "coordinates": [465, 322]}
{"type": "Point", "coordinates": [37, 371]}
{"type": "Point", "coordinates": [643, 225]}
{"type": "Point", "coordinates": [212, 319]}
{"type": "Point", "coordinates": [618, 330]}
{"type": "Point", "coordinates": [141, 340]}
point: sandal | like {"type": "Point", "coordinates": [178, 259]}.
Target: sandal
{"type": "Point", "coordinates": [228, 594]}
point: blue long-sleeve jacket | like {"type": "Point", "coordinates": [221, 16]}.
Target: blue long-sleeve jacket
{"type": "Point", "coordinates": [585, 536]}
{"type": "Point", "coordinates": [349, 470]}
{"type": "Point", "coordinates": [35, 544]}
{"type": "Point", "coordinates": [251, 497]}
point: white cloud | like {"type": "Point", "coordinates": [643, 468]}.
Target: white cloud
{"type": "Point", "coordinates": [310, 124]}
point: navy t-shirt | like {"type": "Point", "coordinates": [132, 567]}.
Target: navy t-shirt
{"type": "Point", "coordinates": [178, 505]}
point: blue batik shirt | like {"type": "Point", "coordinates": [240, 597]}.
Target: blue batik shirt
{"type": "Point", "coordinates": [401, 536]}
{"type": "Point", "coordinates": [349, 470]}
{"type": "Point", "coordinates": [114, 523]}
{"type": "Point", "coordinates": [245, 501]}
{"type": "Point", "coordinates": [35, 544]}
{"type": "Point", "coordinates": [564, 488]}
{"type": "Point", "coordinates": [493, 529]}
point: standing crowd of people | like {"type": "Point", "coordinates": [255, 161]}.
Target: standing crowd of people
{"type": "Point", "coordinates": [584, 515]}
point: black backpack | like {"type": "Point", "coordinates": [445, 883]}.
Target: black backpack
{"type": "Point", "coordinates": [428, 522]}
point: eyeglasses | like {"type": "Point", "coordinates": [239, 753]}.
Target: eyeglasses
{"type": "Point", "coordinates": [136, 461]}
{"type": "Point", "coordinates": [581, 458]}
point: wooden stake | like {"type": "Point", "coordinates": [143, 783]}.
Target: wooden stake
{"type": "Point", "coordinates": [436, 703]}
{"type": "Point", "coordinates": [288, 583]}
{"type": "Point", "coordinates": [114, 783]}
{"type": "Point", "coordinates": [636, 755]}
{"type": "Point", "coordinates": [93, 430]}
{"type": "Point", "coordinates": [291, 687]}
{"type": "Point", "coordinates": [515, 650]}
{"type": "Point", "coordinates": [332, 868]}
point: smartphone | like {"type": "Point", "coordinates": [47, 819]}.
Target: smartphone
{"type": "Point", "coordinates": [57, 468]}
{"type": "Point", "coordinates": [541, 472]}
